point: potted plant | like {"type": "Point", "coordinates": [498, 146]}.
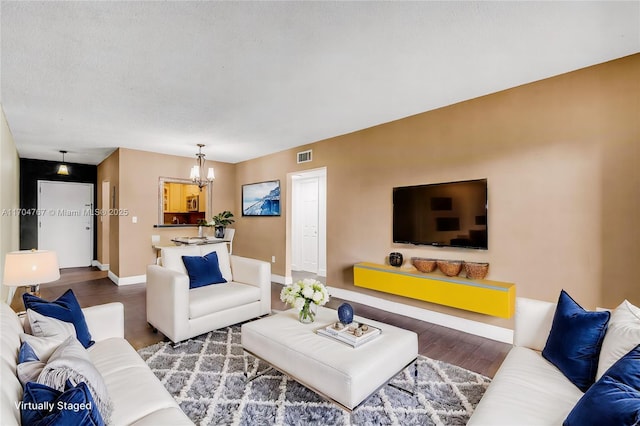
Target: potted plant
{"type": "Point", "coordinates": [221, 221]}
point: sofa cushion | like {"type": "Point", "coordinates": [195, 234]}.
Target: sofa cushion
{"type": "Point", "coordinates": [172, 257]}
{"type": "Point", "coordinates": [203, 270]}
{"type": "Point", "coordinates": [575, 340]}
{"type": "Point", "coordinates": [622, 335]}
{"type": "Point", "coordinates": [65, 308]}
{"type": "Point", "coordinates": [614, 399]}
{"type": "Point", "coordinates": [527, 390]}
{"type": "Point", "coordinates": [42, 405]}
{"type": "Point", "coordinates": [217, 298]}
{"type": "Point", "coordinates": [121, 367]}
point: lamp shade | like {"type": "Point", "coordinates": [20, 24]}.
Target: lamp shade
{"type": "Point", "coordinates": [30, 267]}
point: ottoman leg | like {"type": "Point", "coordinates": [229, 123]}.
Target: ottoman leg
{"type": "Point", "coordinates": [415, 380]}
{"type": "Point", "coordinates": [246, 369]}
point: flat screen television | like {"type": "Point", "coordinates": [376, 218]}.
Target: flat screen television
{"type": "Point", "coordinates": [452, 214]}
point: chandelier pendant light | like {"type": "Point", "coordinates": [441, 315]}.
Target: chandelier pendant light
{"type": "Point", "coordinates": [198, 171]}
{"type": "Point", "coordinates": [62, 168]}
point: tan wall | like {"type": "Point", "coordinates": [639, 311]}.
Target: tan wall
{"type": "Point", "coordinates": [9, 197]}
{"type": "Point", "coordinates": [108, 248]}
{"type": "Point", "coordinates": [138, 173]}
{"type": "Point", "coordinates": [561, 157]}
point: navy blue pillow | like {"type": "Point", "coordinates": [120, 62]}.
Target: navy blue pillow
{"type": "Point", "coordinates": [65, 308]}
{"type": "Point", "coordinates": [575, 339]}
{"type": "Point", "coordinates": [203, 270]}
{"type": "Point", "coordinates": [27, 353]}
{"type": "Point", "coordinates": [42, 405]}
{"type": "Point", "coordinates": [614, 399]}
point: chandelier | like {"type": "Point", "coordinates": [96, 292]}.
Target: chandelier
{"type": "Point", "coordinates": [198, 172]}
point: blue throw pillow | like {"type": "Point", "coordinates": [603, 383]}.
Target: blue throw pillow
{"type": "Point", "coordinates": [203, 270]}
{"type": "Point", "coordinates": [614, 399]}
{"type": "Point", "coordinates": [575, 339]}
{"type": "Point", "coordinates": [42, 405]}
{"type": "Point", "coordinates": [27, 353]}
{"type": "Point", "coordinates": [65, 308]}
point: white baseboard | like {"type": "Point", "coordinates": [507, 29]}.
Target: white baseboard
{"type": "Point", "coordinates": [100, 265]}
{"type": "Point", "coordinates": [488, 331]}
{"type": "Point", "coordinates": [135, 279]}
{"type": "Point", "coordinates": [281, 280]}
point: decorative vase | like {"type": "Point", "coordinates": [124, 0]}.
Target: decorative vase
{"type": "Point", "coordinates": [200, 231]}
{"type": "Point", "coordinates": [307, 314]}
{"type": "Point", "coordinates": [395, 259]}
{"type": "Point", "coordinates": [345, 313]}
{"type": "Point", "coordinates": [219, 231]}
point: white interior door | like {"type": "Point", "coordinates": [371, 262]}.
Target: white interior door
{"type": "Point", "coordinates": [65, 224]}
{"type": "Point", "coordinates": [309, 223]}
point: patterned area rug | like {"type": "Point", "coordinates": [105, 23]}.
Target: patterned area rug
{"type": "Point", "coordinates": [206, 376]}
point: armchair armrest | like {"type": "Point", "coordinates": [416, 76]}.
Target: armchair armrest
{"type": "Point", "coordinates": [105, 321]}
{"type": "Point", "coordinates": [256, 273]}
{"type": "Point", "coordinates": [168, 301]}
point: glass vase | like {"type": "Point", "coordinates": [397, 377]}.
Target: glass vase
{"type": "Point", "coordinates": [307, 314]}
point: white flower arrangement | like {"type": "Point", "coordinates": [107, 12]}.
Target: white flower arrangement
{"type": "Point", "coordinates": [301, 294]}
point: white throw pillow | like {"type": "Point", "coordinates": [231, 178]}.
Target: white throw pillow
{"type": "Point", "coordinates": [42, 346]}
{"type": "Point", "coordinates": [48, 334]}
{"type": "Point", "coordinates": [44, 326]}
{"type": "Point", "coordinates": [622, 335]}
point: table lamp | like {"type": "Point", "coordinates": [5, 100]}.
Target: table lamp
{"type": "Point", "coordinates": [30, 268]}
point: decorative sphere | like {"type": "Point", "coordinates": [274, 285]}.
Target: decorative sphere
{"type": "Point", "coordinates": [345, 313]}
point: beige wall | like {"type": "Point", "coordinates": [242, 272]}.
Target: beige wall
{"type": "Point", "coordinates": [9, 196]}
{"type": "Point", "coordinates": [108, 248]}
{"type": "Point", "coordinates": [135, 175]}
{"type": "Point", "coordinates": [561, 157]}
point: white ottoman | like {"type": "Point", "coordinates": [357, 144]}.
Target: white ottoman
{"type": "Point", "coordinates": [333, 369]}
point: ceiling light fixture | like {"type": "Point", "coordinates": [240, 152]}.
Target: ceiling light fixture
{"type": "Point", "coordinates": [198, 172]}
{"type": "Point", "coordinates": [62, 168]}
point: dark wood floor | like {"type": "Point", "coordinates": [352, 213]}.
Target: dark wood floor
{"type": "Point", "coordinates": [92, 287]}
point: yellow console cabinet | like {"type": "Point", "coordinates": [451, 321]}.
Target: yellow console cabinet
{"type": "Point", "coordinates": [483, 296]}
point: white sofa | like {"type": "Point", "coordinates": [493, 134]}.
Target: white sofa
{"type": "Point", "coordinates": [181, 313]}
{"type": "Point", "coordinates": [137, 395]}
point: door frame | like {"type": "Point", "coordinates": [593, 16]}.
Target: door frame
{"type": "Point", "coordinates": [294, 231]}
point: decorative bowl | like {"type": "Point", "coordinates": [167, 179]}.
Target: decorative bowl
{"type": "Point", "coordinates": [424, 265]}
{"type": "Point", "coordinates": [476, 270]}
{"type": "Point", "coordinates": [450, 268]}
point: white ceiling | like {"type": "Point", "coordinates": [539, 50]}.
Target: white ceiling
{"type": "Point", "coordinates": [251, 78]}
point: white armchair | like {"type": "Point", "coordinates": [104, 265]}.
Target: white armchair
{"type": "Point", "coordinates": [181, 313]}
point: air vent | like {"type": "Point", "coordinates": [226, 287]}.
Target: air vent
{"type": "Point", "coordinates": [304, 156]}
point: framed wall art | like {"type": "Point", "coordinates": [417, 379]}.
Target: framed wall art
{"type": "Point", "coordinates": [261, 199]}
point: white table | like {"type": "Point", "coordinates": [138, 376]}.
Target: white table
{"type": "Point", "coordinates": [338, 372]}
